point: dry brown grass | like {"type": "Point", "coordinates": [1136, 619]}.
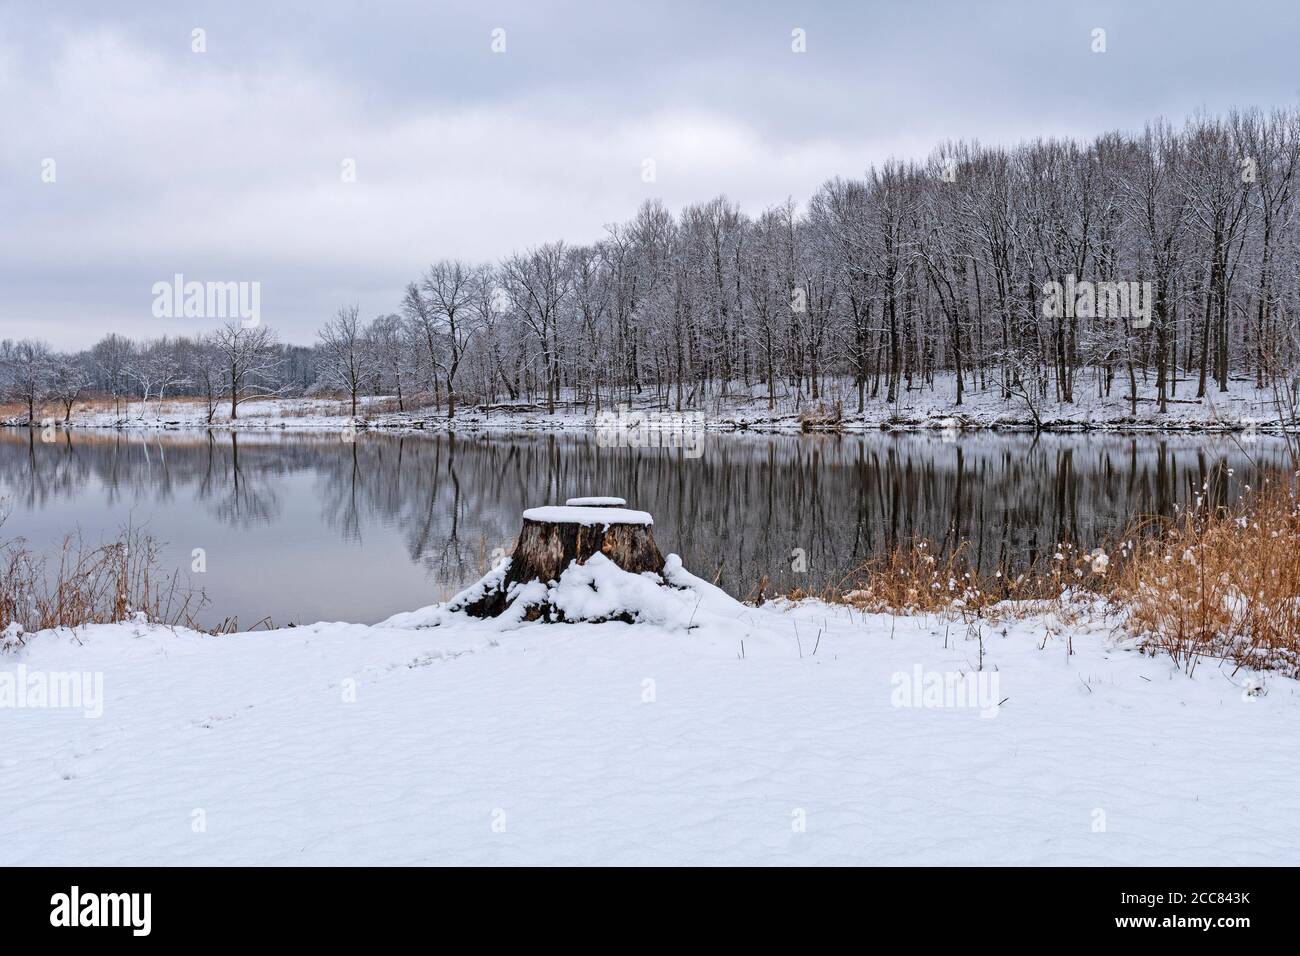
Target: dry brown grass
{"type": "Point", "coordinates": [917, 579]}
{"type": "Point", "coordinates": [81, 585]}
{"type": "Point", "coordinates": [86, 405]}
{"type": "Point", "coordinates": [17, 411]}
{"type": "Point", "coordinates": [1221, 583]}
{"type": "Point", "coordinates": [1217, 583]}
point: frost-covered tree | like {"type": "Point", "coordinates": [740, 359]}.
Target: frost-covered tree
{"type": "Point", "coordinates": [68, 381]}
{"type": "Point", "coordinates": [346, 355]}
{"type": "Point", "coordinates": [249, 359]}
{"type": "Point", "coordinates": [28, 371]}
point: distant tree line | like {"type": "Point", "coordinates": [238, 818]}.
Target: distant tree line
{"type": "Point", "coordinates": [227, 367]}
{"type": "Point", "coordinates": [877, 286]}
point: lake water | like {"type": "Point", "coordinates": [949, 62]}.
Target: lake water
{"type": "Point", "coordinates": [303, 528]}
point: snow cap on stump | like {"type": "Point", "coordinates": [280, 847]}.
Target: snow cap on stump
{"type": "Point", "coordinates": [603, 515]}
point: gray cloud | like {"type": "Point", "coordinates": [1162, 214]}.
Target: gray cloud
{"type": "Point", "coordinates": [226, 165]}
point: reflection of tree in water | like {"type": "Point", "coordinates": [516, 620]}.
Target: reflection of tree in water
{"type": "Point", "coordinates": [215, 468]}
{"type": "Point", "coordinates": [125, 469]}
{"type": "Point", "coordinates": [735, 513]}
{"type": "Point", "coordinates": [239, 484]}
{"type": "Point", "coordinates": [739, 511]}
{"type": "Point", "coordinates": [416, 485]}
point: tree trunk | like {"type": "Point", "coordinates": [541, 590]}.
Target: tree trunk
{"type": "Point", "coordinates": [552, 539]}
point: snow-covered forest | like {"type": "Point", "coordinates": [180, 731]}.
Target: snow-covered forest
{"type": "Point", "coordinates": [919, 267]}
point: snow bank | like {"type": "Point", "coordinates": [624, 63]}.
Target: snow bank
{"type": "Point", "coordinates": [596, 502]}
{"type": "Point", "coordinates": [597, 590]}
{"type": "Point", "coordinates": [706, 732]}
{"type": "Point", "coordinates": [804, 734]}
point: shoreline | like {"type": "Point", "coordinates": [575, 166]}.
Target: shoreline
{"type": "Point", "coordinates": [791, 424]}
{"type": "Point", "coordinates": [1244, 409]}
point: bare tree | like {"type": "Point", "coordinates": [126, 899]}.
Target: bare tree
{"type": "Point", "coordinates": [205, 370]}
{"type": "Point", "coordinates": [249, 359]}
{"type": "Point", "coordinates": [110, 357]}
{"type": "Point", "coordinates": [68, 381]}
{"type": "Point", "coordinates": [389, 348]}
{"type": "Point", "coordinates": [448, 288]}
{"type": "Point", "coordinates": [538, 284]}
{"type": "Point", "coordinates": [345, 352]}
{"type": "Point", "coordinates": [155, 367]}
{"type": "Point", "coordinates": [29, 368]}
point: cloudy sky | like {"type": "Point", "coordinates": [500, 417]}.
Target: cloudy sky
{"type": "Point", "coordinates": [227, 165]}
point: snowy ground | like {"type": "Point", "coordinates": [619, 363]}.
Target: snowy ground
{"type": "Point", "coordinates": [1242, 408]}
{"type": "Point", "coordinates": [773, 735]}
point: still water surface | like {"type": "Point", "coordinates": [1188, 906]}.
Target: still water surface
{"type": "Point", "coordinates": [303, 528]}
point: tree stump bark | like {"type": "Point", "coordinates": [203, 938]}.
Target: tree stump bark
{"type": "Point", "coordinates": [552, 538]}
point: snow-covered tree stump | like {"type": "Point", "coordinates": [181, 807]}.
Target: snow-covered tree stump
{"type": "Point", "coordinates": [552, 538]}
